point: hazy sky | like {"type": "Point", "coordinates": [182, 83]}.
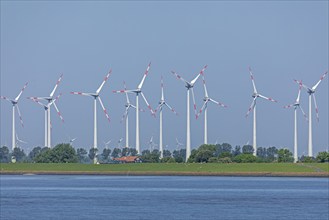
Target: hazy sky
{"type": "Point", "coordinates": [280, 40]}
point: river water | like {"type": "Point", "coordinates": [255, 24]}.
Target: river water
{"type": "Point", "coordinates": [162, 197]}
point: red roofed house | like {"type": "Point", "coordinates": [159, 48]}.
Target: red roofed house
{"type": "Point", "coordinates": [128, 159]}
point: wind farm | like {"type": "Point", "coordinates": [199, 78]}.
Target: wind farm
{"type": "Point", "coordinates": [51, 101]}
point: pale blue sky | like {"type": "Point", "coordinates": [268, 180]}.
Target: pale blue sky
{"type": "Point", "coordinates": [83, 40]}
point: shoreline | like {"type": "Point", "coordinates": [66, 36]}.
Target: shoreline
{"type": "Point", "coordinates": [136, 173]}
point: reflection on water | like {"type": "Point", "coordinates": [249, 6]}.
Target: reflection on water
{"type": "Point", "coordinates": [172, 197]}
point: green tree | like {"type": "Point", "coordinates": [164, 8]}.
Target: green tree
{"type": "Point", "coordinates": [132, 151]}
{"type": "Point", "coordinates": [322, 157]}
{"type": "Point", "coordinates": [261, 153]}
{"type": "Point", "coordinates": [236, 151]}
{"type": "Point", "coordinates": [151, 157]}
{"type": "Point", "coordinates": [179, 155]}
{"type": "Point", "coordinates": [271, 153]}
{"type": "Point", "coordinates": [125, 151]}
{"type": "Point", "coordinates": [19, 154]}
{"type": "Point", "coordinates": [245, 158]}
{"type": "Point", "coordinates": [64, 153]}
{"type": "Point", "coordinates": [34, 152]}
{"type": "Point", "coordinates": [285, 156]}
{"type": "Point", "coordinates": [203, 156]}
{"type": "Point", "coordinates": [82, 155]}
{"type": "Point", "coordinates": [93, 153]}
{"type": "Point", "coordinates": [116, 152]}
{"type": "Point", "coordinates": [166, 153]}
{"type": "Point", "coordinates": [106, 153]}
{"type": "Point", "coordinates": [307, 159]}
{"type": "Point", "coordinates": [4, 154]}
{"type": "Point", "coordinates": [247, 149]}
{"type": "Point", "coordinates": [44, 156]}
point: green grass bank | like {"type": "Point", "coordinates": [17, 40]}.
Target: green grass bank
{"type": "Point", "coordinates": [211, 169]}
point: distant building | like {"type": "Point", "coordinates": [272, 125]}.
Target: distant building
{"type": "Point", "coordinates": [128, 159]}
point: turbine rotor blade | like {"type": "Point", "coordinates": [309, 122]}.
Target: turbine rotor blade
{"type": "Point", "coordinates": [124, 91]}
{"type": "Point", "coordinates": [317, 84]}
{"type": "Point", "coordinates": [20, 116]}
{"type": "Point", "coordinates": [301, 109]}
{"type": "Point", "coordinates": [202, 108]}
{"type": "Point", "coordinates": [204, 86]}
{"type": "Point", "coordinates": [100, 101]}
{"type": "Point", "coordinates": [58, 112]}
{"type": "Point", "coordinates": [58, 81]}
{"type": "Point", "coordinates": [180, 78]}
{"type": "Point", "coordinates": [125, 88]}
{"type": "Point", "coordinates": [143, 79]}
{"type": "Point", "coordinates": [298, 96]}
{"type": "Point", "coordinates": [125, 114]}
{"type": "Point", "coordinates": [148, 105]}
{"type": "Point", "coordinates": [316, 108]}
{"type": "Point", "coordinates": [22, 90]}
{"type": "Point", "coordinates": [303, 85]}
{"type": "Point", "coordinates": [201, 73]}
{"type": "Point", "coordinates": [218, 103]}
{"type": "Point", "coordinates": [104, 81]}
{"type": "Point", "coordinates": [81, 93]}
{"type": "Point", "coordinates": [173, 110]}
{"type": "Point", "coordinates": [37, 101]}
{"type": "Point", "coordinates": [288, 106]}
{"type": "Point", "coordinates": [162, 93]}
{"type": "Point", "coordinates": [5, 98]}
{"type": "Point", "coordinates": [269, 99]}
{"type": "Point", "coordinates": [251, 106]}
{"type": "Point", "coordinates": [194, 105]}
{"type": "Point", "coordinates": [252, 80]}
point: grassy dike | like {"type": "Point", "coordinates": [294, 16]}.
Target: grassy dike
{"type": "Point", "coordinates": [193, 169]}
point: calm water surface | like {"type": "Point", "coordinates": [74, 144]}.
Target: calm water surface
{"type": "Point", "coordinates": [130, 197]}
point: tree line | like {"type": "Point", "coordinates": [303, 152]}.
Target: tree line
{"type": "Point", "coordinates": [207, 153]}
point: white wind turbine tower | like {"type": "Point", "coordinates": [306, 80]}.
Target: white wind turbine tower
{"type": "Point", "coordinates": [162, 103]}
{"type": "Point", "coordinates": [311, 91]}
{"type": "Point", "coordinates": [207, 99]}
{"type": "Point", "coordinates": [47, 116]}
{"type": "Point", "coordinates": [189, 85]}
{"type": "Point", "coordinates": [128, 105]}
{"type": "Point", "coordinates": [255, 95]}
{"type": "Point", "coordinates": [50, 100]}
{"type": "Point", "coordinates": [296, 105]}
{"type": "Point", "coordinates": [96, 97]}
{"type": "Point", "coordinates": [138, 91]}
{"type": "Point", "coordinates": [14, 102]}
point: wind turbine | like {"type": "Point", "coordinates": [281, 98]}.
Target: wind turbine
{"type": "Point", "coordinates": [207, 99]}
{"type": "Point", "coordinates": [106, 144]}
{"type": "Point", "coordinates": [96, 97]}
{"type": "Point", "coordinates": [128, 105]}
{"type": "Point", "coordinates": [189, 85]}
{"type": "Point", "coordinates": [178, 144]}
{"type": "Point", "coordinates": [47, 116]}
{"type": "Point", "coordinates": [72, 140]}
{"type": "Point", "coordinates": [14, 102]}
{"type": "Point", "coordinates": [138, 91]}
{"type": "Point", "coordinates": [311, 91]}
{"type": "Point", "coordinates": [152, 145]}
{"type": "Point", "coordinates": [255, 95]}
{"type": "Point", "coordinates": [296, 105]}
{"type": "Point", "coordinates": [162, 103]}
{"type": "Point", "coordinates": [49, 99]}
{"type": "Point", "coordinates": [19, 141]}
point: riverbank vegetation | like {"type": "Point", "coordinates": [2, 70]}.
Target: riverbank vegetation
{"type": "Point", "coordinates": [219, 153]}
